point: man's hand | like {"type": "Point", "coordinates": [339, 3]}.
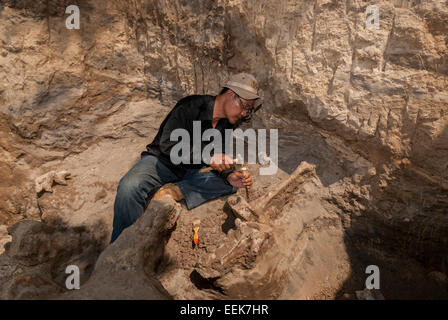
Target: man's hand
{"type": "Point", "coordinates": [240, 179]}
{"type": "Point", "coordinates": [221, 162]}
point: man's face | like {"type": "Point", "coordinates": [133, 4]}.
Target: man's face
{"type": "Point", "coordinates": [236, 107]}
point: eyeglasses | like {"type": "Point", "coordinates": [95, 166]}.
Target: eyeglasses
{"type": "Point", "coordinates": [245, 107]}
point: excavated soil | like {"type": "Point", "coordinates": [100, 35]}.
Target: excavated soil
{"type": "Point", "coordinates": [402, 275]}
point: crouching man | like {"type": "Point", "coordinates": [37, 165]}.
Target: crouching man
{"type": "Point", "coordinates": [156, 176]}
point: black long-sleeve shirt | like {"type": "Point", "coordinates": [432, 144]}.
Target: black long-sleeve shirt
{"type": "Point", "coordinates": [187, 110]}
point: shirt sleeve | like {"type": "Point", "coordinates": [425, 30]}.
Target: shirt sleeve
{"type": "Point", "coordinates": [179, 118]}
{"type": "Point", "coordinates": [224, 174]}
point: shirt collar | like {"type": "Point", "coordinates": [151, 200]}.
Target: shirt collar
{"type": "Point", "coordinates": [207, 115]}
{"type": "Point", "coordinates": [207, 112]}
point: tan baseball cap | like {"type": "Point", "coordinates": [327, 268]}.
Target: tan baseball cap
{"type": "Point", "coordinates": [246, 86]}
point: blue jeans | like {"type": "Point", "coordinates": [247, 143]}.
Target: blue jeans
{"type": "Point", "coordinates": [142, 181]}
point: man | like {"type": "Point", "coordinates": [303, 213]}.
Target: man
{"type": "Point", "coordinates": [156, 176]}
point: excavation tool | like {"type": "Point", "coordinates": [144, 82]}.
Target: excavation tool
{"type": "Point", "coordinates": [196, 224]}
{"type": "Point", "coordinates": [241, 168]}
{"type": "Point", "coordinates": [244, 170]}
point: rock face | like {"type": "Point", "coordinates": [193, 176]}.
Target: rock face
{"type": "Point", "coordinates": [125, 269]}
{"type": "Point", "coordinates": [367, 107]}
{"type": "Point", "coordinates": [34, 263]}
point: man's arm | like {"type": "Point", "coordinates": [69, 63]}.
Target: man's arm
{"type": "Point", "coordinates": [224, 174]}
{"type": "Point", "coordinates": [178, 118]}
{"type": "Point", "coordinates": [224, 165]}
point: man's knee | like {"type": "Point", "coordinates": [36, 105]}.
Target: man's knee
{"type": "Point", "coordinates": [170, 189]}
{"type": "Point", "coordinates": [129, 184]}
